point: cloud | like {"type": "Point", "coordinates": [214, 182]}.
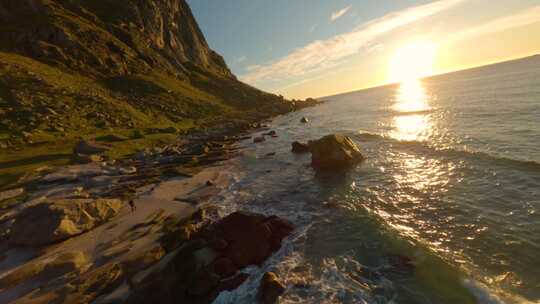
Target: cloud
{"type": "Point", "coordinates": [522, 18]}
{"type": "Point", "coordinates": [240, 59]}
{"type": "Point", "coordinates": [338, 14]}
{"type": "Point", "coordinates": [323, 54]}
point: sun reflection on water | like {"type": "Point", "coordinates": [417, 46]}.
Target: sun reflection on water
{"type": "Point", "coordinates": [412, 123]}
{"type": "Point", "coordinates": [411, 97]}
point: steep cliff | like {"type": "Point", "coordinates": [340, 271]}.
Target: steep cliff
{"type": "Point", "coordinates": [108, 37]}
{"type": "Point", "coordinates": [72, 68]}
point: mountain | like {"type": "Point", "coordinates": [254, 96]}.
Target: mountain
{"type": "Point", "coordinates": [76, 68]}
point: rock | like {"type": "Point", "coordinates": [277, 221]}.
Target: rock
{"type": "Point", "coordinates": [224, 267]}
{"type": "Point", "coordinates": [334, 151]}
{"type": "Point", "coordinates": [91, 284]}
{"type": "Point", "coordinates": [252, 237]}
{"type": "Point", "coordinates": [86, 148]}
{"type": "Point", "coordinates": [258, 139]}
{"type": "Point", "coordinates": [401, 264]}
{"type": "Point", "coordinates": [271, 133]}
{"type": "Point", "coordinates": [46, 269]}
{"type": "Point", "coordinates": [127, 170]}
{"type": "Point", "coordinates": [26, 135]}
{"type": "Point", "coordinates": [271, 288]}
{"type": "Point", "coordinates": [201, 268]}
{"type": "Point", "coordinates": [58, 129]}
{"type": "Point", "coordinates": [298, 147]}
{"type": "Point", "coordinates": [204, 283]}
{"type": "Point", "coordinates": [52, 222]}
{"type": "Point", "coordinates": [9, 194]}
{"type": "Point", "coordinates": [86, 158]}
{"type": "Point", "coordinates": [138, 261]}
{"type": "Point", "coordinates": [304, 120]}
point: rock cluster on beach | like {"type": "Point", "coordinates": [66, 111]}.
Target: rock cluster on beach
{"type": "Point", "coordinates": [212, 260]}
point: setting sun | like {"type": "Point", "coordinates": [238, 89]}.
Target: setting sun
{"type": "Point", "coordinates": [412, 61]}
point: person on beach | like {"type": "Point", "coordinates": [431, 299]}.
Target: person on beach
{"type": "Point", "coordinates": [132, 206]}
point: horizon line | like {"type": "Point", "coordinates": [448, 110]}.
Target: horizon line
{"type": "Point", "coordinates": [432, 76]}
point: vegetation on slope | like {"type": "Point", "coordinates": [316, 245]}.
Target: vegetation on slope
{"type": "Point", "coordinates": [73, 69]}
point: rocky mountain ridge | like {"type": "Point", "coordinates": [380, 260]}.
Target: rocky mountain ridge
{"type": "Point", "coordinates": [76, 68]}
{"type": "Point", "coordinates": [107, 37]}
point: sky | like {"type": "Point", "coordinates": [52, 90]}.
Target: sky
{"type": "Point", "coordinates": [315, 48]}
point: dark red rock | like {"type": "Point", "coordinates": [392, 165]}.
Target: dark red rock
{"type": "Point", "coordinates": [224, 267]}
{"type": "Point", "coordinates": [219, 244]}
{"type": "Point", "coordinates": [204, 283]}
{"type": "Point", "coordinates": [252, 237]}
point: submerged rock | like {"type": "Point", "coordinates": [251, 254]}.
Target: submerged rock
{"type": "Point", "coordinates": [298, 147]}
{"type": "Point", "coordinates": [334, 151]}
{"type": "Point", "coordinates": [271, 288]}
{"type": "Point", "coordinates": [53, 222]}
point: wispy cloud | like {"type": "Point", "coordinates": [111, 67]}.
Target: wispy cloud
{"type": "Point", "coordinates": [240, 59]}
{"type": "Point", "coordinates": [323, 54]}
{"type": "Point", "coordinates": [522, 18]}
{"type": "Point", "coordinates": [338, 14]}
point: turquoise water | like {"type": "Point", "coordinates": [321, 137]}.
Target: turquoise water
{"type": "Point", "coordinates": [446, 209]}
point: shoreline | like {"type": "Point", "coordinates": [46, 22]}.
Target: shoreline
{"type": "Point", "coordinates": [170, 183]}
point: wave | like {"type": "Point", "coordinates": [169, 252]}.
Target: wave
{"type": "Point", "coordinates": [525, 165]}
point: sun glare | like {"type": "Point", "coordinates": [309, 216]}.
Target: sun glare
{"type": "Point", "coordinates": [412, 61]}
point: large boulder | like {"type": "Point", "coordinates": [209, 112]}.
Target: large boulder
{"type": "Point", "coordinates": [86, 148]}
{"type": "Point", "coordinates": [53, 222]}
{"type": "Point", "coordinates": [251, 237]}
{"type": "Point", "coordinates": [334, 151]}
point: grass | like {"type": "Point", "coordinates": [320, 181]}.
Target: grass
{"type": "Point", "coordinates": [79, 88]}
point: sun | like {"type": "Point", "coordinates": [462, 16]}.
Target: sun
{"type": "Point", "coordinates": [412, 61]}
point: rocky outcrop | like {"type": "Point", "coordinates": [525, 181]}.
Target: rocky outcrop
{"type": "Point", "coordinates": [213, 259]}
{"type": "Point", "coordinates": [53, 222]}
{"type": "Point", "coordinates": [44, 269]}
{"type": "Point", "coordinates": [109, 36]}
{"type": "Point", "coordinates": [334, 151]}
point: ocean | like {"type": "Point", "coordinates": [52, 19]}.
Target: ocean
{"type": "Point", "coordinates": [446, 208]}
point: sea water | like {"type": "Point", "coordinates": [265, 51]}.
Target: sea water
{"type": "Point", "coordinates": [446, 208]}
